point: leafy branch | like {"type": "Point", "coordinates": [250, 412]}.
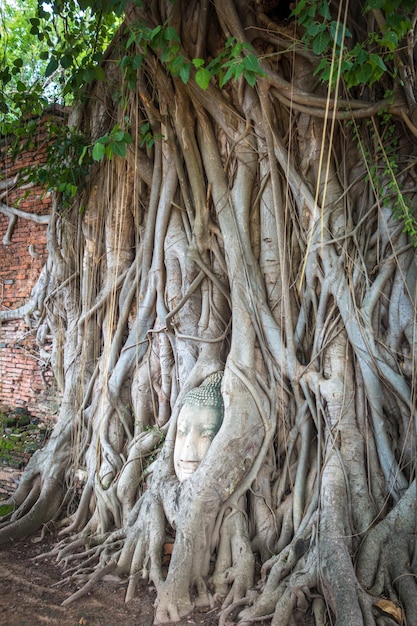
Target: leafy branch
{"type": "Point", "coordinates": [112, 144]}
{"type": "Point", "coordinates": [383, 171]}
{"type": "Point", "coordinates": [367, 61]}
{"type": "Point", "coordinates": [235, 60]}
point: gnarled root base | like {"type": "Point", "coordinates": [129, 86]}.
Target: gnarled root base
{"type": "Point", "coordinates": [300, 580]}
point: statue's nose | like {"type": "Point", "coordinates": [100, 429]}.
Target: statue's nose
{"type": "Point", "coordinates": [190, 453]}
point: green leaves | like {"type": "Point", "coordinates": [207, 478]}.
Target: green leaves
{"type": "Point", "coordinates": [99, 149]}
{"type": "Point", "coordinates": [323, 34]}
{"type": "Point", "coordinates": [67, 160]}
{"type": "Point", "coordinates": [18, 63]}
{"type": "Point", "coordinates": [203, 77]}
{"type": "Point", "coordinates": [6, 509]}
{"type": "Point", "coordinates": [242, 61]}
{"type": "Point", "coordinates": [367, 61]}
{"type": "Point", "coordinates": [321, 41]}
{"type": "Point", "coordinates": [383, 170]}
{"type": "Point", "coordinates": [35, 25]}
{"type": "Point", "coordinates": [52, 50]}
{"type": "Point", "coordinates": [147, 138]}
{"type": "Point", "coordinates": [113, 144]}
{"type": "Point", "coordinates": [236, 59]}
{"type": "Point", "coordinates": [163, 39]}
{"type": "Point", "coordinates": [51, 67]}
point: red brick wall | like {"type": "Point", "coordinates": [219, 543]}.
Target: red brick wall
{"type": "Point", "coordinates": [25, 380]}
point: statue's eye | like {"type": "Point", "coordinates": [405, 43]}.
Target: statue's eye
{"type": "Point", "coordinates": [207, 434]}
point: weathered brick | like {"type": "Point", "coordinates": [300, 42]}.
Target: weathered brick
{"type": "Point", "coordinates": [21, 382]}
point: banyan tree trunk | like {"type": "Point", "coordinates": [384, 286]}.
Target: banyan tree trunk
{"type": "Point", "coordinates": [244, 232]}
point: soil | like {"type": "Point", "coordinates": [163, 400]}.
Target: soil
{"type": "Point", "coordinates": [29, 595]}
{"type": "Point", "coordinates": [31, 592]}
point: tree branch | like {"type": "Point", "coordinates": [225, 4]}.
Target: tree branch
{"type": "Point", "coordinates": [10, 211]}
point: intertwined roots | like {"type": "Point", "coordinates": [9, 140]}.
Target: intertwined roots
{"type": "Point", "coordinates": [248, 236]}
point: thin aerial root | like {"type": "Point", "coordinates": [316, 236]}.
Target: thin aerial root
{"type": "Point", "coordinates": [319, 611]}
{"type": "Point", "coordinates": [135, 568]}
{"type": "Point", "coordinates": [81, 517]}
{"type": "Point", "coordinates": [61, 549]}
{"type": "Point", "coordinates": [62, 582]}
{"type": "Point", "coordinates": [283, 609]}
{"type": "Point", "coordinates": [226, 612]}
{"type": "Point", "coordinates": [87, 554]}
{"type": "Point", "coordinates": [131, 588]}
{"type": "Point", "coordinates": [259, 618]}
{"type": "Point", "coordinates": [79, 577]}
{"type": "Point", "coordinates": [44, 555]}
{"type": "Point", "coordinates": [98, 575]}
{"type": "Point", "coordinates": [76, 568]}
{"type": "Point", "coordinates": [70, 547]}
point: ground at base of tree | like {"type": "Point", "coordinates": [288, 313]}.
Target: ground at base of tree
{"type": "Point", "coordinates": [29, 595]}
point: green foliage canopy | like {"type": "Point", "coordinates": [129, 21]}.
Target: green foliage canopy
{"type": "Point", "coordinates": [51, 51]}
{"type": "Point", "coordinates": [359, 63]}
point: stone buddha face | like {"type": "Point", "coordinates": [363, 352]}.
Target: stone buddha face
{"type": "Point", "coordinates": [198, 422]}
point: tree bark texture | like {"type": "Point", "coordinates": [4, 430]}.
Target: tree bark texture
{"type": "Point", "coordinates": [256, 233]}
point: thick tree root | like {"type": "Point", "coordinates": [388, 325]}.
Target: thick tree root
{"type": "Point", "coordinates": [41, 512]}
{"type": "Point", "coordinates": [96, 577]}
{"type": "Point", "coordinates": [245, 232]}
{"type": "Point", "coordinates": [385, 556]}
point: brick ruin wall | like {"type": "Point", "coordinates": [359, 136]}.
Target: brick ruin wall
{"type": "Point", "coordinates": [25, 380]}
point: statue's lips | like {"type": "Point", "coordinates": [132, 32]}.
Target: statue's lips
{"type": "Point", "coordinates": [188, 468]}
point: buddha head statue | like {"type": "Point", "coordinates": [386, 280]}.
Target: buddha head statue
{"type": "Point", "coordinates": [199, 420]}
